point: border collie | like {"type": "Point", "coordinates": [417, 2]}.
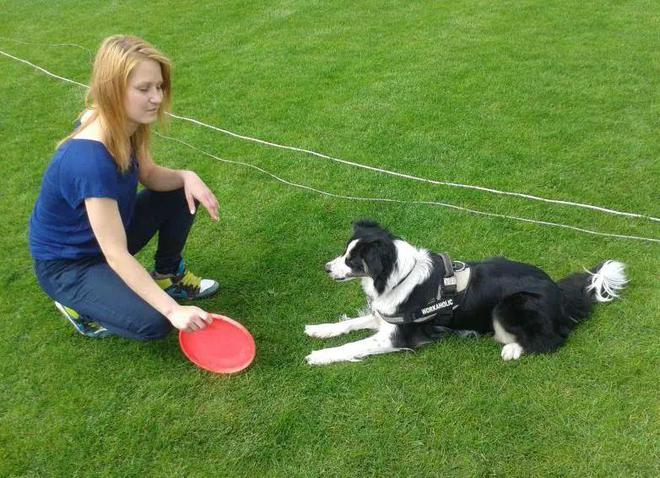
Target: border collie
{"type": "Point", "coordinates": [416, 297]}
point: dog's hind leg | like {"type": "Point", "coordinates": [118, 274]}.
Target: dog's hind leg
{"type": "Point", "coordinates": [379, 343]}
{"type": "Point", "coordinates": [523, 324]}
{"type": "Point", "coordinates": [511, 349]}
{"type": "Point", "coordinates": [324, 331]}
{"type": "Point", "coordinates": [505, 321]}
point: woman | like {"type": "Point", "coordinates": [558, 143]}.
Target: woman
{"type": "Point", "coordinates": [89, 220]}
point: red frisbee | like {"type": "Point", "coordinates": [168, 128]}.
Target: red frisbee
{"type": "Point", "coordinates": [224, 346]}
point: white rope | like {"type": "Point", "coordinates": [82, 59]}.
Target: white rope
{"type": "Point", "coordinates": [400, 201]}
{"type": "Point", "coordinates": [43, 70]}
{"type": "Point", "coordinates": [371, 168]}
{"type": "Point", "coordinates": [339, 196]}
{"type": "Point", "coordinates": [415, 178]}
{"type": "Point", "coordinates": [50, 45]}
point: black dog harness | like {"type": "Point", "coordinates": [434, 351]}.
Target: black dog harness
{"type": "Point", "coordinates": [439, 309]}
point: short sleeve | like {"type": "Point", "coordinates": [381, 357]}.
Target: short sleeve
{"type": "Point", "coordinates": [87, 171]}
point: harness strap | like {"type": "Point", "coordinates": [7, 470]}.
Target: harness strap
{"type": "Point", "coordinates": [440, 309]}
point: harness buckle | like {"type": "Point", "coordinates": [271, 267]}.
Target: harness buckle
{"type": "Point", "coordinates": [450, 281]}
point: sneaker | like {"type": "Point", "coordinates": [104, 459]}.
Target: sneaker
{"type": "Point", "coordinates": [90, 329]}
{"type": "Point", "coordinates": [184, 285]}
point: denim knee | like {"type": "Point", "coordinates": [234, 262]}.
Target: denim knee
{"type": "Point", "coordinates": [153, 327]}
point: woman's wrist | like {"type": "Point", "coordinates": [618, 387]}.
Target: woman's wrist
{"type": "Point", "coordinates": [170, 308]}
{"type": "Point", "coordinates": [185, 174]}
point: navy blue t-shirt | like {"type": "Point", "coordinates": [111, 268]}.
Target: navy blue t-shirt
{"type": "Point", "coordinates": [80, 169]}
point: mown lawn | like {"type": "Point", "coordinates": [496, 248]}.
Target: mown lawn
{"type": "Point", "coordinates": [559, 100]}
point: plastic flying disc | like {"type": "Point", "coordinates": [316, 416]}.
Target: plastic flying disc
{"type": "Point", "coordinates": [224, 346]}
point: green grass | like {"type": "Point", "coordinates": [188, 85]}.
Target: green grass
{"type": "Point", "coordinates": [558, 100]}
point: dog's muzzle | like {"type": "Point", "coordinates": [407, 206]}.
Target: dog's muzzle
{"type": "Point", "coordinates": [339, 271]}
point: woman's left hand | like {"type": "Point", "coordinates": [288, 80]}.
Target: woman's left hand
{"type": "Point", "coordinates": [195, 189]}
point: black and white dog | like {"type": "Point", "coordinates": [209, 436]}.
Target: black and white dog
{"type": "Point", "coordinates": [416, 297]}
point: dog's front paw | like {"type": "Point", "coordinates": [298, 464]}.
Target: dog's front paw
{"type": "Point", "coordinates": [512, 351]}
{"type": "Point", "coordinates": [318, 357]}
{"type": "Point", "coordinates": [326, 356]}
{"type": "Point", "coordinates": [324, 331]}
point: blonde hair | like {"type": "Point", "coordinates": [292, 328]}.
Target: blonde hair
{"type": "Point", "coordinates": [115, 60]}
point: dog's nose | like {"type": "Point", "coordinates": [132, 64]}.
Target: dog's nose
{"type": "Point", "coordinates": [327, 267]}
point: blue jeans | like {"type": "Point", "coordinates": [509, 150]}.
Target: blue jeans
{"type": "Point", "coordinates": [94, 290]}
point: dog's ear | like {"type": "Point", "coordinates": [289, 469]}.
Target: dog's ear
{"type": "Point", "coordinates": [363, 224]}
{"type": "Point", "coordinates": [379, 257]}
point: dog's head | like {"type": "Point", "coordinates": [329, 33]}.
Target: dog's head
{"type": "Point", "coordinates": [370, 253]}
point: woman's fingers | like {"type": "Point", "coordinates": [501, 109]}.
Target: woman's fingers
{"type": "Point", "coordinates": [201, 319]}
{"type": "Point", "coordinates": [190, 199]}
{"type": "Point", "coordinates": [190, 318]}
{"type": "Point", "coordinates": [208, 318]}
{"type": "Point", "coordinates": [195, 189]}
{"type": "Point", "coordinates": [211, 204]}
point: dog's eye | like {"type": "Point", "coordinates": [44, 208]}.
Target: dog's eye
{"type": "Point", "coordinates": [354, 263]}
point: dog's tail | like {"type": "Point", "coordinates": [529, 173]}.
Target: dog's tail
{"type": "Point", "coordinates": [600, 284]}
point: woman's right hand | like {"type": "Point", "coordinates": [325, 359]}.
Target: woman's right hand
{"type": "Point", "coordinates": [189, 318]}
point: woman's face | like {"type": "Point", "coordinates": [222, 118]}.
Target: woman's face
{"type": "Point", "coordinates": [144, 94]}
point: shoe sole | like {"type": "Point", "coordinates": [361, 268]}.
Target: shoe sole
{"type": "Point", "coordinates": [99, 333]}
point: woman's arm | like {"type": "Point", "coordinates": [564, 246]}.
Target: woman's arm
{"type": "Point", "coordinates": [159, 178]}
{"type": "Point", "coordinates": [109, 232]}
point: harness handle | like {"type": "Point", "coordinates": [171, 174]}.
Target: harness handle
{"type": "Point", "coordinates": [449, 282]}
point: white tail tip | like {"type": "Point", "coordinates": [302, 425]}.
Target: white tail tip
{"type": "Point", "coordinates": [608, 281]}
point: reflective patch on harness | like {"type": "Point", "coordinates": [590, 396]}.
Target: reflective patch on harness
{"type": "Point", "coordinates": [437, 306]}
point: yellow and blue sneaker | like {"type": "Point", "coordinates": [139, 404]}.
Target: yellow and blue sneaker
{"type": "Point", "coordinates": [85, 327]}
{"type": "Point", "coordinates": [184, 285]}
